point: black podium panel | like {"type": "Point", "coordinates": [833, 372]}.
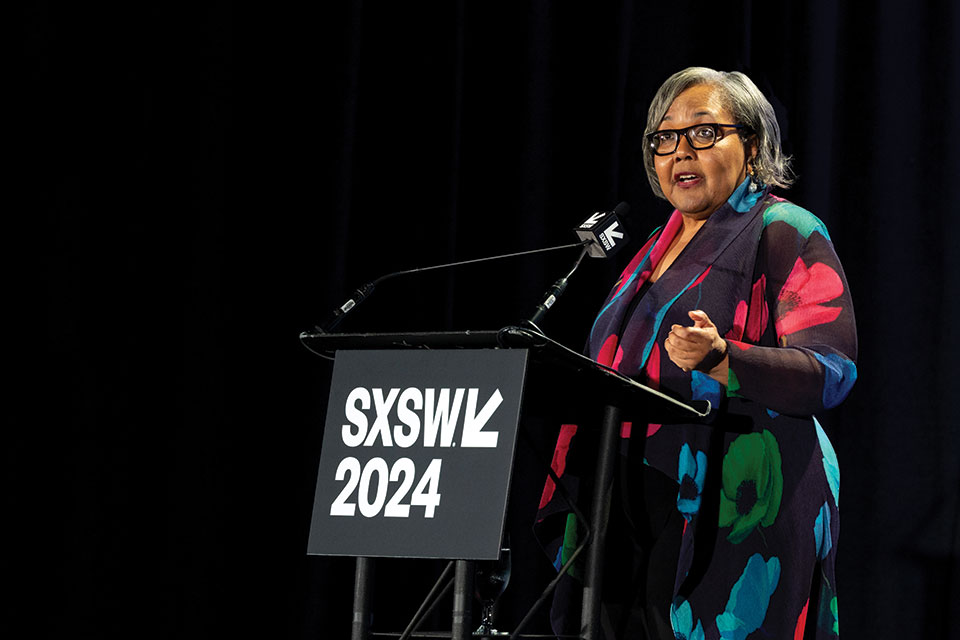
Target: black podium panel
{"type": "Point", "coordinates": [417, 453]}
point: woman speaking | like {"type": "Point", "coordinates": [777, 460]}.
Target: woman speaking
{"type": "Point", "coordinates": [728, 527]}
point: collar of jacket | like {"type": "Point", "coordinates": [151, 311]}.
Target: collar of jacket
{"type": "Point", "coordinates": [718, 235]}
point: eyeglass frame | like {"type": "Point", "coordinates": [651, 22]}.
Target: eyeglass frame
{"type": "Point", "coordinates": [685, 132]}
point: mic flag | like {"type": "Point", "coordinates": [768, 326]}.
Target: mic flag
{"type": "Point", "coordinates": [604, 232]}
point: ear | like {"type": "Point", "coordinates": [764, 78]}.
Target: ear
{"type": "Point", "coordinates": [750, 153]}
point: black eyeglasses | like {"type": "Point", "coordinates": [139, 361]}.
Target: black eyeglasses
{"type": "Point", "coordinates": [700, 136]}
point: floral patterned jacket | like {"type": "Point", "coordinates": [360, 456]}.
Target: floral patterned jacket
{"type": "Point", "coordinates": [757, 482]}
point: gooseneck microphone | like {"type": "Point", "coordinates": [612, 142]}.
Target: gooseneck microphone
{"type": "Point", "coordinates": [599, 238]}
{"type": "Point", "coordinates": [363, 292]}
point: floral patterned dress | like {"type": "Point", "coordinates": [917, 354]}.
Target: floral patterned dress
{"type": "Point", "coordinates": [757, 482]}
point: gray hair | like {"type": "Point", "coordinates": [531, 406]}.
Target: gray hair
{"type": "Point", "coordinates": [749, 107]}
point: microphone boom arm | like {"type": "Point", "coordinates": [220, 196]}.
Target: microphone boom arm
{"type": "Point", "coordinates": [363, 292]}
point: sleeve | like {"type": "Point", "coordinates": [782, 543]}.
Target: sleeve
{"type": "Point", "coordinates": [807, 312]}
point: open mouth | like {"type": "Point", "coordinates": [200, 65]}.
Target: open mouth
{"type": "Point", "coordinates": [686, 178]}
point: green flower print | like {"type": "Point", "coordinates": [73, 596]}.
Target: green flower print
{"type": "Point", "coordinates": [752, 484]}
{"type": "Point", "coordinates": [829, 618]}
{"type": "Point", "coordinates": [835, 627]}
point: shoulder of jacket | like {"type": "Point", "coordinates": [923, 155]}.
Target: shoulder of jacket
{"type": "Point", "coordinates": [797, 217]}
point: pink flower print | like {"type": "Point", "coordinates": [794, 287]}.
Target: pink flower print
{"type": "Point", "coordinates": [702, 277]}
{"type": "Point", "coordinates": [801, 622]}
{"type": "Point", "coordinates": [608, 351]}
{"type": "Point", "coordinates": [739, 322]}
{"type": "Point", "coordinates": [759, 312]}
{"type": "Point", "coordinates": [798, 305]}
{"type": "Point", "coordinates": [751, 319]}
{"type": "Point", "coordinates": [652, 370]}
{"type": "Point", "coordinates": [559, 462]}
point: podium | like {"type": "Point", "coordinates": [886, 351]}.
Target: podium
{"type": "Point", "coordinates": [437, 414]}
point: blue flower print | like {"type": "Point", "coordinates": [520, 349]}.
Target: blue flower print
{"type": "Point", "coordinates": [692, 471]}
{"type": "Point", "coordinates": [749, 598]}
{"type": "Point", "coordinates": [821, 532]}
{"type": "Point", "coordinates": [839, 376]}
{"type": "Point", "coordinates": [681, 619]}
{"type": "Point", "coordinates": [703, 387]}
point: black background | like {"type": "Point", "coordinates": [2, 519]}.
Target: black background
{"type": "Point", "coordinates": [202, 181]}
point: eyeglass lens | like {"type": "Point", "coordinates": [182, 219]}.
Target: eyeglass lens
{"type": "Point", "coordinates": [701, 136]}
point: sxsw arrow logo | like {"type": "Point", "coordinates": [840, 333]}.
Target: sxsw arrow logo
{"type": "Point", "coordinates": [592, 220]}
{"type": "Point", "coordinates": [610, 235]}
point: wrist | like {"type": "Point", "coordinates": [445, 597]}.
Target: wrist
{"type": "Point", "coordinates": [715, 358]}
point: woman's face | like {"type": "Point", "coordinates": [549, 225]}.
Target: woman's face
{"type": "Point", "coordinates": [699, 181]}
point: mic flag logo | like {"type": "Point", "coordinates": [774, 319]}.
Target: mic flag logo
{"type": "Point", "coordinates": [604, 233]}
{"type": "Point", "coordinates": [592, 220]}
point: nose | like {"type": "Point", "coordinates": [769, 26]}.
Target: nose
{"type": "Point", "coordinates": [684, 148]}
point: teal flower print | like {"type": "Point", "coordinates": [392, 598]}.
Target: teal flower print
{"type": "Point", "coordinates": [681, 620]}
{"type": "Point", "coordinates": [749, 598]}
{"type": "Point", "coordinates": [830, 465]}
{"type": "Point", "coordinates": [821, 532]}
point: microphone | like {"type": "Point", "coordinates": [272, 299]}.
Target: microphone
{"type": "Point", "coordinates": [602, 239]}
{"type": "Point", "coordinates": [604, 232]}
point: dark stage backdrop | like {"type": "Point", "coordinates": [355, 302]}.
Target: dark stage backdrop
{"type": "Point", "coordinates": [205, 180]}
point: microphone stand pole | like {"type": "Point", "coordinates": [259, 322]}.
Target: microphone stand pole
{"type": "Point", "coordinates": [555, 291]}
